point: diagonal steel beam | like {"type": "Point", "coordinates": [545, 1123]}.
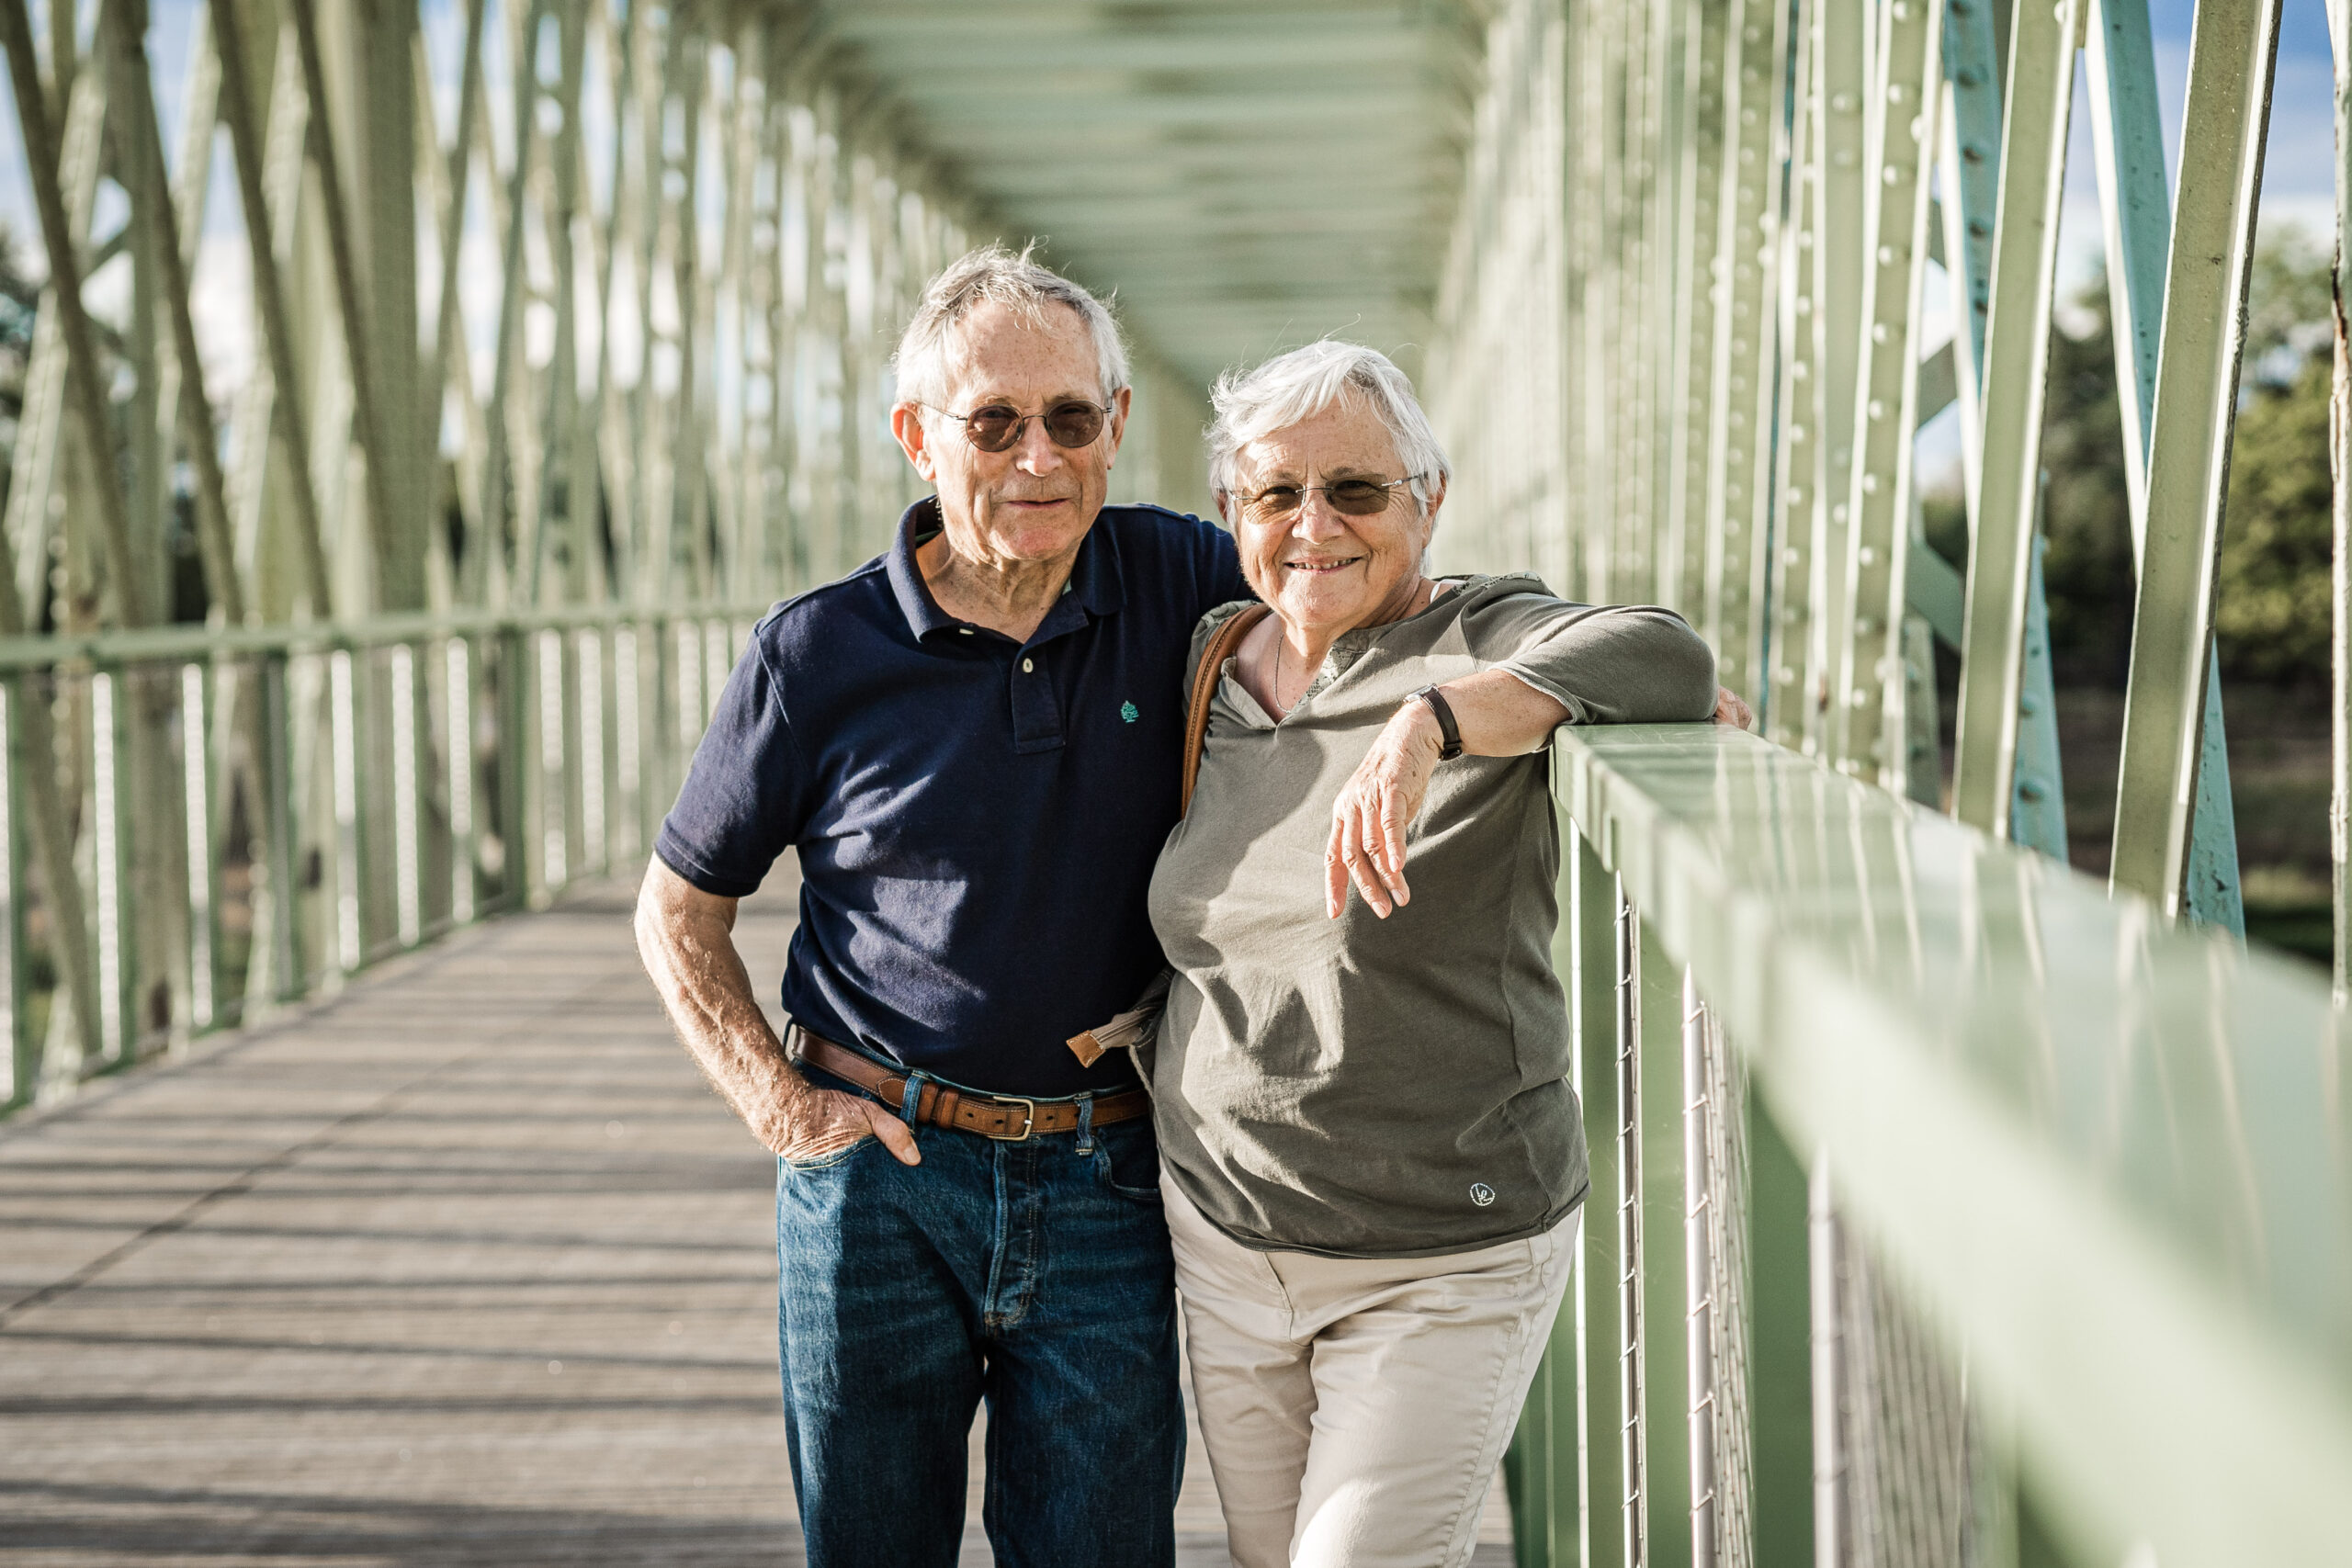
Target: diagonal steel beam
{"type": "Point", "coordinates": [198, 433]}
{"type": "Point", "coordinates": [459, 168]}
{"type": "Point", "coordinates": [241, 109]}
{"type": "Point", "coordinates": [350, 299]}
{"type": "Point", "coordinates": [82, 386]}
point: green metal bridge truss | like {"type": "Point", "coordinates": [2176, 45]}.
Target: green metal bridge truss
{"type": "Point", "coordinates": [1948, 1208]}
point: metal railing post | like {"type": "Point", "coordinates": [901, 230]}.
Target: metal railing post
{"type": "Point", "coordinates": [282, 975]}
{"type": "Point", "coordinates": [16, 1035]}
{"type": "Point", "coordinates": [1665, 1292]}
{"type": "Point", "coordinates": [1606, 1507]}
{"type": "Point", "coordinates": [1698, 1273]}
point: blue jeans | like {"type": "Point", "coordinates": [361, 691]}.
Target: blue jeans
{"type": "Point", "coordinates": [1034, 1275]}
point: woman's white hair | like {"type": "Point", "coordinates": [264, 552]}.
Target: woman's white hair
{"type": "Point", "coordinates": [1021, 285]}
{"type": "Point", "coordinates": [1297, 386]}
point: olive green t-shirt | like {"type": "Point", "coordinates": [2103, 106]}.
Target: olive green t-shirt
{"type": "Point", "coordinates": [1399, 1088]}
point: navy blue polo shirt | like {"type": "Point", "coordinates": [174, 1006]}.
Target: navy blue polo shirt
{"type": "Point", "coordinates": [976, 818]}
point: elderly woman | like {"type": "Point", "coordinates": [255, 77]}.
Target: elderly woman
{"type": "Point", "coordinates": [1372, 1156]}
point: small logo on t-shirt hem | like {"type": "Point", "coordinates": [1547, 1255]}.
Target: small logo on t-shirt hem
{"type": "Point", "coordinates": [1481, 1194]}
{"type": "Point", "coordinates": [1129, 712]}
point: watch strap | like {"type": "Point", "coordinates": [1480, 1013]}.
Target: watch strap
{"type": "Point", "coordinates": [1446, 727]}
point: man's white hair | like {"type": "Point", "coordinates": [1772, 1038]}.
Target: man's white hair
{"type": "Point", "coordinates": [1294, 387]}
{"type": "Point", "coordinates": [1021, 285]}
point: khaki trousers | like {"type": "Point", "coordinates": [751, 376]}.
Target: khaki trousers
{"type": "Point", "coordinates": [1354, 1409]}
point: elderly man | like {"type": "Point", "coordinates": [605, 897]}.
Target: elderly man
{"type": "Point", "coordinates": [973, 743]}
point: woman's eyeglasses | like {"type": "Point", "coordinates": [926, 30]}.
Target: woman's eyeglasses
{"type": "Point", "coordinates": [1351, 498]}
{"type": "Point", "coordinates": [998, 426]}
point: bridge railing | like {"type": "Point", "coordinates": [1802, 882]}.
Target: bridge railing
{"type": "Point", "coordinates": [1946, 1208]}
{"type": "Point", "coordinates": [200, 824]}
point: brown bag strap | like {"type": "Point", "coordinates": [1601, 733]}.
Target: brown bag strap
{"type": "Point", "coordinates": [1222, 644]}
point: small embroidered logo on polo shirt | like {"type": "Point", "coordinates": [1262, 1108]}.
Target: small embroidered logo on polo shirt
{"type": "Point", "coordinates": [1481, 1194]}
{"type": "Point", "coordinates": [1129, 712]}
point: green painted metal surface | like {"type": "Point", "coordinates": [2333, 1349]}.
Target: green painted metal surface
{"type": "Point", "coordinates": [2100, 1144]}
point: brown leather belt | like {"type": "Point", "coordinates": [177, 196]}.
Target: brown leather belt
{"type": "Point", "coordinates": [1004, 1117]}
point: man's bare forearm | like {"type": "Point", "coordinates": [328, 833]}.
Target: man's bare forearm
{"type": "Point", "coordinates": [687, 940]}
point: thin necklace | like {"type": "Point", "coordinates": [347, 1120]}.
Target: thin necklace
{"type": "Point", "coordinates": [1281, 643]}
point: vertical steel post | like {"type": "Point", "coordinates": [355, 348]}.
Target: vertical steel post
{"type": "Point", "coordinates": [1867, 728]}
{"type": "Point", "coordinates": [2017, 354]}
{"type": "Point", "coordinates": [1841, 259]}
{"type": "Point", "coordinates": [2136, 208]}
{"type": "Point", "coordinates": [2228, 109]}
{"type": "Point", "coordinates": [1692, 433]}
{"type": "Point", "coordinates": [1790, 604]}
{"type": "Point", "coordinates": [1739, 497]}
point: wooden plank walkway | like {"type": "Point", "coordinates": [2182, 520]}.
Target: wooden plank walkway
{"type": "Point", "coordinates": [464, 1266]}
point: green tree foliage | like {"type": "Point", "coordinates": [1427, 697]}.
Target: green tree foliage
{"type": "Point", "coordinates": [2272, 618]}
{"type": "Point", "coordinates": [2087, 509]}
{"type": "Point", "coordinates": [2271, 614]}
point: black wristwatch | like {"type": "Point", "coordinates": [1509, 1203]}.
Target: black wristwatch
{"type": "Point", "coordinates": [1446, 724]}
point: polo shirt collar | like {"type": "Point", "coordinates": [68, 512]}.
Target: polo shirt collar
{"type": "Point", "coordinates": [1094, 585]}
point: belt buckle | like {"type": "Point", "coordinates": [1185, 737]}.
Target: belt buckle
{"type": "Point", "coordinates": [1027, 1123]}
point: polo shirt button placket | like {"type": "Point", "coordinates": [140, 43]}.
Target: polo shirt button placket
{"type": "Point", "coordinates": [1036, 715]}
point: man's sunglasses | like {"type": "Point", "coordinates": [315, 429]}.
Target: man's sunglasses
{"type": "Point", "coordinates": [1351, 498]}
{"type": "Point", "coordinates": [998, 426]}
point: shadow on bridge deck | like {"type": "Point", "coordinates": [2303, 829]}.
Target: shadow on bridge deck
{"type": "Point", "coordinates": [465, 1265]}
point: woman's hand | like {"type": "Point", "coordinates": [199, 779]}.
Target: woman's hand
{"type": "Point", "coordinates": [1731, 710]}
{"type": "Point", "coordinates": [1376, 807]}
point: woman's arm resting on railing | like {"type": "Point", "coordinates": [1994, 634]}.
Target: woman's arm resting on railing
{"type": "Point", "coordinates": [1498, 715]}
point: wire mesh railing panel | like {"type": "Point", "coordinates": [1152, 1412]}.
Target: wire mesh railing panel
{"type": "Point", "coordinates": [1720, 1089]}
{"type": "Point", "coordinates": [1901, 1425]}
